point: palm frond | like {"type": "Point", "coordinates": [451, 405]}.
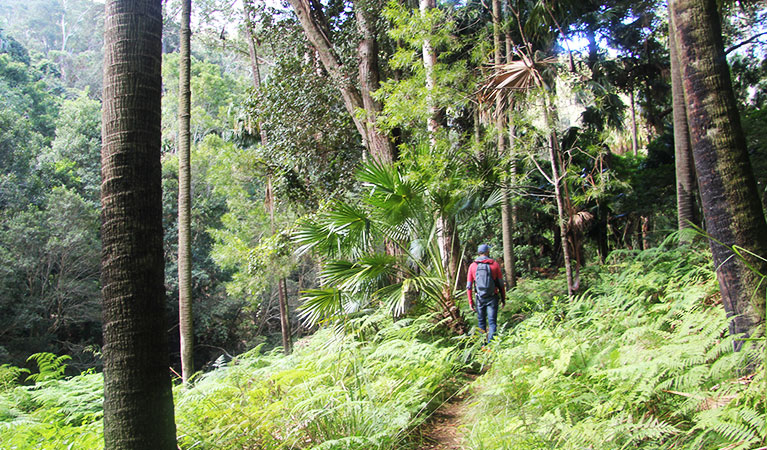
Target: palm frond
{"type": "Point", "coordinates": [343, 229]}
{"type": "Point", "coordinates": [356, 276]}
{"type": "Point", "coordinates": [320, 305]}
{"type": "Point", "coordinates": [519, 75]}
{"type": "Point", "coordinates": [398, 199]}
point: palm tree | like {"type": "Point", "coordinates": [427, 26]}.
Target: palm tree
{"type": "Point", "coordinates": [507, 221]}
{"type": "Point", "coordinates": [731, 207]}
{"type": "Point", "coordinates": [685, 173]}
{"type": "Point", "coordinates": [138, 402]}
{"type": "Point", "coordinates": [357, 272]}
{"type": "Point", "coordinates": [185, 316]}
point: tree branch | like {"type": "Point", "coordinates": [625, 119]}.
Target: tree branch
{"type": "Point", "coordinates": [746, 42]}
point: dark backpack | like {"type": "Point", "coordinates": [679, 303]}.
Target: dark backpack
{"type": "Point", "coordinates": [484, 282]}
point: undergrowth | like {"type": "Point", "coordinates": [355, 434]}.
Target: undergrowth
{"type": "Point", "coordinates": [365, 389]}
{"type": "Point", "coordinates": [642, 359]}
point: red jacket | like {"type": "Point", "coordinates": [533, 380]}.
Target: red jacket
{"type": "Point", "coordinates": [495, 272]}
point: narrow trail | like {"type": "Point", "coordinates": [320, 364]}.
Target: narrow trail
{"type": "Point", "coordinates": [441, 431]}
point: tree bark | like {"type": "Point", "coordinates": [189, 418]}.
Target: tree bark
{"type": "Point", "coordinates": [685, 173]}
{"type": "Point", "coordinates": [287, 341]}
{"type": "Point", "coordinates": [450, 247]}
{"type": "Point", "coordinates": [429, 62]}
{"type": "Point", "coordinates": [138, 402]}
{"type": "Point", "coordinates": [634, 140]}
{"type": "Point", "coordinates": [316, 32]}
{"type": "Point", "coordinates": [729, 196]}
{"type": "Point", "coordinates": [506, 217]}
{"type": "Point", "coordinates": [562, 214]}
{"type": "Point", "coordinates": [185, 316]}
{"type": "Point", "coordinates": [379, 145]}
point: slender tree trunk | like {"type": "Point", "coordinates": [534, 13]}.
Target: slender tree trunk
{"type": "Point", "coordinates": [287, 342]}
{"type": "Point", "coordinates": [138, 402]}
{"type": "Point", "coordinates": [645, 232]}
{"type": "Point", "coordinates": [634, 141]}
{"type": "Point", "coordinates": [513, 170]}
{"type": "Point", "coordinates": [446, 236]}
{"type": "Point", "coordinates": [429, 62]}
{"type": "Point", "coordinates": [185, 315]}
{"type": "Point", "coordinates": [685, 173]}
{"type": "Point", "coordinates": [500, 125]}
{"type": "Point", "coordinates": [602, 244]}
{"type": "Point", "coordinates": [562, 215]}
{"type": "Point", "coordinates": [729, 196]}
{"type": "Point", "coordinates": [247, 8]}
{"type": "Point", "coordinates": [269, 200]}
{"type": "Point", "coordinates": [450, 248]}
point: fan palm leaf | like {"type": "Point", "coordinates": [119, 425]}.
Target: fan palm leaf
{"type": "Point", "coordinates": [519, 75]}
{"type": "Point", "coordinates": [342, 230]}
{"type": "Point", "coordinates": [368, 272]}
{"type": "Point", "coordinates": [399, 199]}
{"type": "Point", "coordinates": [320, 305]}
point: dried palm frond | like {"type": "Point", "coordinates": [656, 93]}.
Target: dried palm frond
{"type": "Point", "coordinates": [580, 221]}
{"type": "Point", "coordinates": [518, 75]}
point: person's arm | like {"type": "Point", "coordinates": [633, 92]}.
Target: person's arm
{"type": "Point", "coordinates": [495, 271]}
{"type": "Point", "coordinates": [470, 283]}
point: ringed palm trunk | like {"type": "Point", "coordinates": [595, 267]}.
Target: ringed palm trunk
{"type": "Point", "coordinates": [685, 175]}
{"type": "Point", "coordinates": [185, 316]}
{"type": "Point", "coordinates": [729, 196]}
{"type": "Point", "coordinates": [138, 402]}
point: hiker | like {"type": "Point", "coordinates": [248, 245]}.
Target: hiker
{"type": "Point", "coordinates": [485, 277]}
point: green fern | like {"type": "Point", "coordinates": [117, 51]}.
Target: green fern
{"type": "Point", "coordinates": [49, 366]}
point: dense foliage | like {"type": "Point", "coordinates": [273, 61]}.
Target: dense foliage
{"type": "Point", "coordinates": [641, 359]}
{"type": "Point", "coordinates": [285, 190]}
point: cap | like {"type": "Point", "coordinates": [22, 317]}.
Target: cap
{"type": "Point", "coordinates": [483, 248]}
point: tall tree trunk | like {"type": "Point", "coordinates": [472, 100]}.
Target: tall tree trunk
{"type": "Point", "coordinates": [317, 33]}
{"type": "Point", "coordinates": [446, 236]}
{"type": "Point", "coordinates": [450, 248]}
{"type": "Point", "coordinates": [562, 214]}
{"type": "Point", "coordinates": [185, 316]}
{"type": "Point", "coordinates": [685, 175]}
{"type": "Point", "coordinates": [602, 244]}
{"type": "Point", "coordinates": [729, 196]}
{"type": "Point", "coordinates": [513, 168]}
{"type": "Point", "coordinates": [247, 8]}
{"type": "Point", "coordinates": [287, 341]}
{"type": "Point", "coordinates": [634, 140]}
{"type": "Point", "coordinates": [429, 62]}
{"type": "Point", "coordinates": [500, 125]}
{"type": "Point", "coordinates": [380, 146]}
{"type": "Point", "coordinates": [138, 402]}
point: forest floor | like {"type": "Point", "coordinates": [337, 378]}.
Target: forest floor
{"type": "Point", "coordinates": [443, 429]}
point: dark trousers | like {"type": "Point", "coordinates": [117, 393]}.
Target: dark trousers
{"type": "Point", "coordinates": [487, 315]}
